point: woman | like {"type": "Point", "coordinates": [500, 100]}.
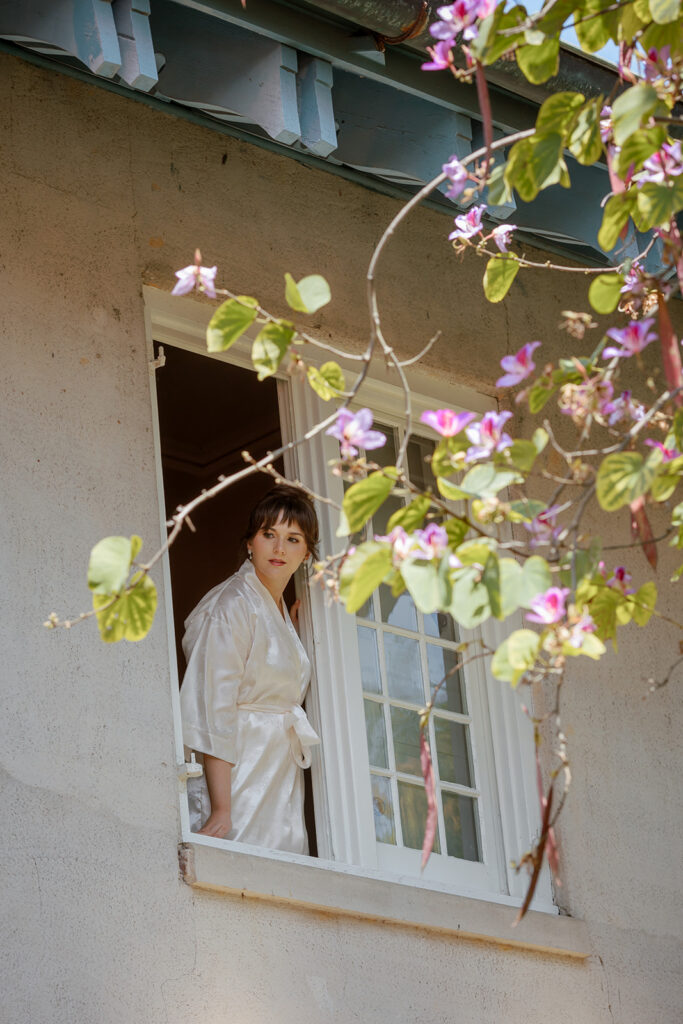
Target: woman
{"type": "Point", "coordinates": [247, 674]}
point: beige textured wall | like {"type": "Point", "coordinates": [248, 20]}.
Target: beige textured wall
{"type": "Point", "coordinates": [98, 195]}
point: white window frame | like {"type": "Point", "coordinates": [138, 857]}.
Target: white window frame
{"type": "Point", "coordinates": [341, 779]}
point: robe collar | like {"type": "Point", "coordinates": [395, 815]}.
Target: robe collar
{"type": "Point", "coordinates": [249, 572]}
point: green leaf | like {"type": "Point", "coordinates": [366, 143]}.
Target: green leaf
{"type": "Point", "coordinates": [424, 584]}
{"type": "Point", "coordinates": [516, 655]}
{"type": "Point", "coordinates": [656, 204]}
{"type": "Point", "coordinates": [539, 63]}
{"type": "Point", "coordinates": [457, 531]}
{"type": "Point", "coordinates": [485, 480]}
{"type": "Point", "coordinates": [638, 147]}
{"type": "Point", "coordinates": [308, 295]}
{"type": "Point", "coordinates": [131, 615]}
{"type": "Point", "coordinates": [609, 608]}
{"type": "Point", "coordinates": [229, 323]}
{"type": "Point", "coordinates": [498, 191]}
{"type": "Point", "coordinates": [665, 11]}
{"type": "Point", "coordinates": [644, 601]}
{"type": "Point", "coordinates": [491, 580]}
{"type": "Point", "coordinates": [469, 599]}
{"type": "Point", "coordinates": [328, 381]}
{"type": "Point", "coordinates": [535, 580]}
{"type": "Point", "coordinates": [476, 551]}
{"type": "Point", "coordinates": [526, 509]}
{"type": "Point", "coordinates": [605, 292]}
{"type": "Point", "coordinates": [585, 563]}
{"type": "Point", "coordinates": [411, 516]}
{"type": "Point", "coordinates": [585, 142]}
{"type": "Point", "coordinates": [631, 109]}
{"type": "Point", "coordinates": [510, 573]}
{"type": "Point", "coordinates": [270, 347]}
{"type": "Point", "coordinates": [498, 277]}
{"type": "Point", "coordinates": [523, 454]}
{"type": "Point", "coordinates": [362, 573]}
{"type": "Point", "coordinates": [539, 393]}
{"type": "Point", "coordinates": [663, 486]}
{"type": "Point", "coordinates": [591, 645]}
{"type": "Point", "coordinates": [642, 10]}
{"type": "Point", "coordinates": [539, 439]}
{"type": "Point", "coordinates": [623, 477]}
{"type": "Point", "coordinates": [363, 499]}
{"type": "Point", "coordinates": [110, 562]}
{"type": "Point", "coordinates": [595, 28]}
{"type": "Point", "coordinates": [558, 112]}
{"type": "Point", "coordinates": [616, 214]}
{"type": "Point", "coordinates": [534, 164]}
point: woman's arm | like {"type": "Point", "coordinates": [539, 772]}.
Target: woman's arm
{"type": "Point", "coordinates": [218, 779]}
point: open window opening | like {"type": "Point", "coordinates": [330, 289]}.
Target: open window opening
{"type": "Point", "coordinates": [210, 411]}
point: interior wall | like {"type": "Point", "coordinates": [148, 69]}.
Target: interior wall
{"type": "Point", "coordinates": [100, 194]}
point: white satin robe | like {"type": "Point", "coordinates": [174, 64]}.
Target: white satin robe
{"type": "Point", "coordinates": [247, 674]}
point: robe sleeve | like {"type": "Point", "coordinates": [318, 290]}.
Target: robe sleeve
{"type": "Point", "coordinates": [208, 696]}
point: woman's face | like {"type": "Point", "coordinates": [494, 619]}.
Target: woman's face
{"type": "Point", "coordinates": [278, 550]}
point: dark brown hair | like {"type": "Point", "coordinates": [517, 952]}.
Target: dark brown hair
{"type": "Point", "coordinates": [290, 504]}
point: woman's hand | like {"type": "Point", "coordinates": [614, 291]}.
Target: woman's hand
{"type": "Point", "coordinates": [294, 614]}
{"type": "Point", "coordinates": [218, 824]}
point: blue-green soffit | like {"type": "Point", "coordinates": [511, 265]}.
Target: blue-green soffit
{"type": "Point", "coordinates": [309, 84]}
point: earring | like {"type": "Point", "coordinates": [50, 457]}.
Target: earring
{"type": "Point", "coordinates": [250, 554]}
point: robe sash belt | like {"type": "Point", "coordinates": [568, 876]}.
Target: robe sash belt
{"type": "Point", "coordinates": [300, 732]}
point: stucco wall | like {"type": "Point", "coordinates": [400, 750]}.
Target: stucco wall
{"type": "Point", "coordinates": [100, 194]}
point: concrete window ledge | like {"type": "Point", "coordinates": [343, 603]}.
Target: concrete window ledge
{"type": "Point", "coordinates": [334, 889]}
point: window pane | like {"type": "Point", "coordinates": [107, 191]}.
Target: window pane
{"type": "Point", "coordinates": [413, 804]}
{"type": "Point", "coordinates": [452, 694]}
{"type": "Point", "coordinates": [369, 659]}
{"type": "Point", "coordinates": [377, 734]}
{"type": "Point", "coordinates": [419, 470]}
{"type": "Point", "coordinates": [386, 455]}
{"type": "Point", "coordinates": [397, 611]}
{"type": "Point", "coordinates": [367, 611]}
{"type": "Point", "coordinates": [453, 753]}
{"type": "Point", "coordinates": [383, 809]}
{"type": "Point", "coordinates": [460, 819]}
{"type": "Point", "coordinates": [405, 728]}
{"type": "Point", "coordinates": [441, 625]}
{"type": "Point", "coordinates": [380, 520]}
{"type": "Point", "coordinates": [404, 672]}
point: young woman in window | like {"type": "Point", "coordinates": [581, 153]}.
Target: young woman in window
{"type": "Point", "coordinates": [247, 674]}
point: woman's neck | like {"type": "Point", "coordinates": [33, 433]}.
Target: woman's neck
{"type": "Point", "coordinates": [273, 589]}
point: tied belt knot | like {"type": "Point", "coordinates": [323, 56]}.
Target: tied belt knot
{"type": "Point", "coordinates": [301, 734]}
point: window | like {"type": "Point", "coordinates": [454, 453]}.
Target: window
{"type": "Point", "coordinates": [374, 671]}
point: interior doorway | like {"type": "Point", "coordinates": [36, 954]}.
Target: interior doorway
{"type": "Point", "coordinates": [210, 411]}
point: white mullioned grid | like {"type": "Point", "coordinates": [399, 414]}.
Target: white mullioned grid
{"type": "Point", "coordinates": [404, 656]}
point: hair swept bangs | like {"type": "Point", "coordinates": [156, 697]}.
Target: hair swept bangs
{"type": "Point", "coordinates": [291, 505]}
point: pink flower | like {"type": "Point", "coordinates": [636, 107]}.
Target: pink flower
{"type": "Point", "coordinates": [402, 544]}
{"type": "Point", "coordinates": [501, 235]}
{"type": "Point", "coordinates": [658, 64]}
{"type": "Point", "coordinates": [460, 17]}
{"type": "Point", "coordinates": [194, 276]}
{"type": "Point", "coordinates": [353, 431]}
{"type": "Point", "coordinates": [487, 436]}
{"type": "Point", "coordinates": [619, 580]}
{"type": "Point", "coordinates": [666, 162]}
{"type": "Point", "coordinates": [668, 454]}
{"type": "Point", "coordinates": [457, 175]}
{"type": "Point", "coordinates": [606, 123]}
{"type": "Point", "coordinates": [440, 54]}
{"type": "Point", "coordinates": [624, 407]}
{"type": "Point", "coordinates": [432, 541]}
{"type": "Point", "coordinates": [543, 527]}
{"type": "Point", "coordinates": [578, 631]}
{"type": "Point", "coordinates": [518, 367]}
{"type": "Point", "coordinates": [446, 422]}
{"type": "Point", "coordinates": [549, 607]}
{"type": "Point", "coordinates": [468, 224]}
{"type": "Point", "coordinates": [633, 338]}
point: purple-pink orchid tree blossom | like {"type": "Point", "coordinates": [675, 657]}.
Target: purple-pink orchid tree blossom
{"type": "Point", "coordinates": [543, 528]}
{"type": "Point", "coordinates": [446, 422]}
{"type": "Point", "coordinates": [549, 607]}
{"type": "Point", "coordinates": [502, 235]}
{"type": "Point", "coordinates": [442, 57]}
{"type": "Point", "coordinates": [460, 18]}
{"type": "Point", "coordinates": [625, 407]}
{"type": "Point", "coordinates": [631, 339]}
{"type": "Point", "coordinates": [667, 162]}
{"type": "Point", "coordinates": [619, 579]}
{"type": "Point", "coordinates": [487, 436]}
{"type": "Point", "coordinates": [457, 176]}
{"type": "Point", "coordinates": [579, 629]}
{"type": "Point", "coordinates": [195, 276]}
{"type": "Point", "coordinates": [519, 366]}
{"type": "Point", "coordinates": [668, 454]}
{"type": "Point", "coordinates": [353, 431]}
{"type": "Point", "coordinates": [432, 541]}
{"type": "Point", "coordinates": [467, 225]}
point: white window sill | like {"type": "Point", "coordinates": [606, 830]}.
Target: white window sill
{"type": "Point", "coordinates": [322, 885]}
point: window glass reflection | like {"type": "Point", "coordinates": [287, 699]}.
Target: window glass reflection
{"type": "Point", "coordinates": [383, 809]}
{"type": "Point", "coordinates": [451, 695]}
{"type": "Point", "coordinates": [462, 832]}
{"type": "Point", "coordinates": [369, 659]}
{"type": "Point", "coordinates": [377, 734]}
{"type": "Point", "coordinates": [404, 671]}
{"type": "Point", "coordinates": [413, 805]}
